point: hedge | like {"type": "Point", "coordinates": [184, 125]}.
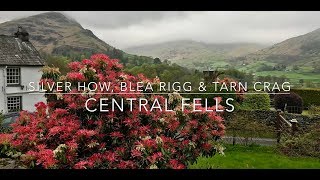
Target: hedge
{"type": "Point", "coordinates": [309, 96]}
{"type": "Point", "coordinates": [256, 102]}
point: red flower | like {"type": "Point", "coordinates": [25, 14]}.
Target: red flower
{"type": "Point", "coordinates": [72, 145]}
{"type": "Point", "coordinates": [174, 164]}
{"type": "Point", "coordinates": [5, 138]}
{"type": "Point", "coordinates": [149, 143]}
{"type": "Point", "coordinates": [135, 153]}
{"type": "Point", "coordinates": [40, 106]}
{"type": "Point", "coordinates": [207, 147]}
{"type": "Point", "coordinates": [110, 156]}
{"type": "Point", "coordinates": [120, 150]}
{"type": "Point", "coordinates": [54, 131]}
{"type": "Point", "coordinates": [96, 158]}
{"type": "Point", "coordinates": [193, 123]}
{"type": "Point", "coordinates": [46, 158]}
{"type": "Point", "coordinates": [76, 76]}
{"type": "Point", "coordinates": [173, 125]}
{"type": "Point", "coordinates": [76, 66]}
{"type": "Point", "coordinates": [73, 106]}
{"type": "Point", "coordinates": [155, 157]}
{"type": "Point", "coordinates": [61, 112]}
{"type": "Point", "coordinates": [81, 165]}
{"type": "Point", "coordinates": [116, 134]}
{"type": "Point", "coordinates": [87, 62]}
{"type": "Point", "coordinates": [85, 133]}
{"type": "Point", "coordinates": [122, 165]}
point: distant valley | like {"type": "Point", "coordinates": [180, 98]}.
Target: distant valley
{"type": "Point", "coordinates": [194, 54]}
{"type": "Point", "coordinates": [297, 58]}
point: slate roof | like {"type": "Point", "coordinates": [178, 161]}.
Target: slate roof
{"type": "Point", "coordinates": [14, 51]}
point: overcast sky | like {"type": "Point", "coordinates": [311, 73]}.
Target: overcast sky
{"type": "Point", "coordinates": [125, 29]}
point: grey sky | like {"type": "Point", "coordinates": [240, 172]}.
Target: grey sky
{"type": "Point", "coordinates": [125, 29]}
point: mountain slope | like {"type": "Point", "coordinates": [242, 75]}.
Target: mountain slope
{"type": "Point", "coordinates": [195, 54]}
{"type": "Point", "coordinates": [294, 50]}
{"type": "Point", "coordinates": [53, 33]}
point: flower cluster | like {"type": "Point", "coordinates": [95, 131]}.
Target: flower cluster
{"type": "Point", "coordinates": [239, 90]}
{"type": "Point", "coordinates": [62, 134]}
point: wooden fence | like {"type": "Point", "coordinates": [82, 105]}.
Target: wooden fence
{"type": "Point", "coordinates": [285, 127]}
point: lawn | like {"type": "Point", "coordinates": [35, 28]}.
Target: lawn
{"type": "Point", "coordinates": [260, 157]}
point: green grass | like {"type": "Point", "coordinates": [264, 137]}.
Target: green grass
{"type": "Point", "coordinates": [254, 66]}
{"type": "Point", "coordinates": [249, 157]}
{"type": "Point", "coordinates": [305, 112]}
{"type": "Point", "coordinates": [293, 76]}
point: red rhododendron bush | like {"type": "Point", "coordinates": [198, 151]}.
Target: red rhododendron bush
{"type": "Point", "coordinates": [63, 134]}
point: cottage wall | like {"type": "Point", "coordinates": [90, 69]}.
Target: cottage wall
{"type": "Point", "coordinates": [2, 103]}
{"type": "Point", "coordinates": [28, 74]}
{"type": "Point", "coordinates": [31, 74]}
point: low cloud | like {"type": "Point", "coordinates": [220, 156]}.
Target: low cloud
{"type": "Point", "coordinates": [125, 29]}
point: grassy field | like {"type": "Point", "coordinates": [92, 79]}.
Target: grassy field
{"type": "Point", "coordinates": [293, 76]}
{"type": "Point", "coordinates": [260, 157]}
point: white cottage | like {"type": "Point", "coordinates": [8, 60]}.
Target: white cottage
{"type": "Point", "coordinates": [20, 63]}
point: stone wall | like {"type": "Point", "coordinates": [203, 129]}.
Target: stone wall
{"type": "Point", "coordinates": [303, 120]}
{"type": "Point", "coordinates": [269, 117]}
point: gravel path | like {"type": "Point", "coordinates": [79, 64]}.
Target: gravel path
{"type": "Point", "coordinates": [242, 140]}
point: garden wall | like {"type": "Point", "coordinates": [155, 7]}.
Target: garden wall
{"type": "Point", "coordinates": [269, 117]}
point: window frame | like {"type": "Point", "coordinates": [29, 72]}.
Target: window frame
{"type": "Point", "coordinates": [19, 76]}
{"type": "Point", "coordinates": [20, 104]}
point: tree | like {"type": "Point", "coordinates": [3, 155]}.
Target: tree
{"type": "Point", "coordinates": [265, 67]}
{"type": "Point", "coordinates": [296, 68]}
{"type": "Point", "coordinates": [282, 79]}
{"type": "Point", "coordinates": [166, 61]}
{"type": "Point", "coordinates": [301, 81]}
{"type": "Point", "coordinates": [216, 74]}
{"type": "Point", "coordinates": [157, 61]}
{"type": "Point", "coordinates": [293, 102]}
{"type": "Point", "coordinates": [60, 62]}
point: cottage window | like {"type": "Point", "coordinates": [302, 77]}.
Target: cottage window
{"type": "Point", "coordinates": [13, 76]}
{"type": "Point", "coordinates": [14, 103]}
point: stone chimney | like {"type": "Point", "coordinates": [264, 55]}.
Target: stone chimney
{"type": "Point", "coordinates": [22, 34]}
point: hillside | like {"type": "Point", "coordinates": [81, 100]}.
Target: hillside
{"type": "Point", "coordinates": [54, 33]}
{"type": "Point", "coordinates": [297, 58]}
{"type": "Point", "coordinates": [302, 50]}
{"type": "Point", "coordinates": [195, 54]}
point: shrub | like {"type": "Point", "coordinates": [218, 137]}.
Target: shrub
{"type": "Point", "coordinates": [6, 150]}
{"type": "Point", "coordinates": [307, 144]}
{"type": "Point", "coordinates": [292, 99]}
{"type": "Point", "coordinates": [314, 110]}
{"type": "Point", "coordinates": [241, 124]}
{"type": "Point", "coordinates": [309, 96]}
{"type": "Point", "coordinates": [256, 102]}
{"type": "Point", "coordinates": [62, 134]}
